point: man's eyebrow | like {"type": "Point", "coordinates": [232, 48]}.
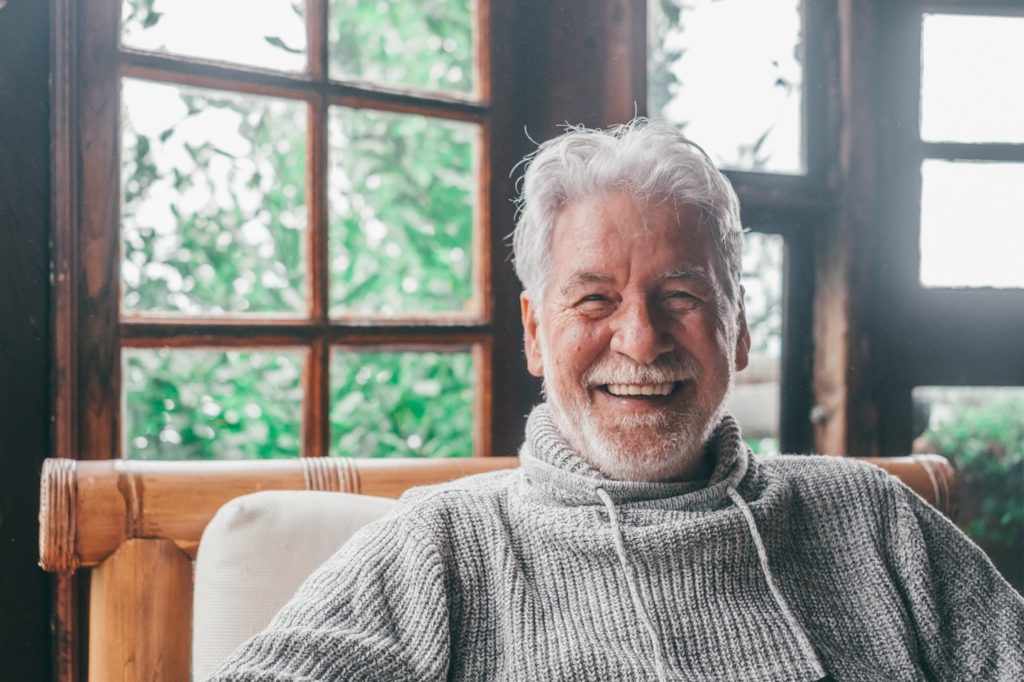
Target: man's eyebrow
{"type": "Point", "coordinates": [584, 278]}
{"type": "Point", "coordinates": [698, 273]}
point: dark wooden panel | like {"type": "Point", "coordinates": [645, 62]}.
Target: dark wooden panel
{"type": "Point", "coordinates": [98, 361]}
{"type": "Point", "coordinates": [960, 337]}
{"type": "Point", "coordinates": [516, 97]}
{"type": "Point", "coordinates": [966, 151]}
{"type": "Point", "coordinates": [1005, 7]}
{"type": "Point", "coordinates": [846, 288]}
{"type": "Point", "coordinates": [797, 397]}
{"type": "Point", "coordinates": [25, 336]}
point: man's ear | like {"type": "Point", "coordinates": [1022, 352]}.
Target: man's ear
{"type": "Point", "coordinates": [742, 335]}
{"type": "Point", "coordinates": [531, 339]}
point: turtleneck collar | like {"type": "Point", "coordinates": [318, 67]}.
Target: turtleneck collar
{"type": "Point", "coordinates": [555, 470]}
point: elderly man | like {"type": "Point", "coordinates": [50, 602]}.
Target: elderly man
{"type": "Point", "coordinates": [639, 539]}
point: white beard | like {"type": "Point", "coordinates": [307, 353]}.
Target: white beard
{"type": "Point", "coordinates": [655, 446]}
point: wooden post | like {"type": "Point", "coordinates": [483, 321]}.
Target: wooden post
{"type": "Point", "coordinates": [846, 292]}
{"type": "Point", "coordinates": [140, 614]}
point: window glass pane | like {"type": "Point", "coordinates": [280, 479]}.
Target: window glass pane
{"type": "Point", "coordinates": [402, 193]}
{"type": "Point", "coordinates": [269, 34]}
{"type": "Point", "coordinates": [426, 44]}
{"type": "Point", "coordinates": [401, 404]}
{"type": "Point", "coordinates": [972, 224]}
{"type": "Point", "coordinates": [729, 73]}
{"type": "Point", "coordinates": [213, 201]}
{"type": "Point", "coordinates": [212, 404]}
{"type": "Point", "coordinates": [754, 400]}
{"type": "Point", "coordinates": [981, 430]}
{"type": "Point", "coordinates": [971, 85]}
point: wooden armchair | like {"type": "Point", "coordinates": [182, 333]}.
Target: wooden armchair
{"type": "Point", "coordinates": [137, 526]}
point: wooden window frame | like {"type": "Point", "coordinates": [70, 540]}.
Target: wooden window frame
{"type": "Point", "coordinates": [933, 336]}
{"type": "Point", "coordinates": [91, 329]}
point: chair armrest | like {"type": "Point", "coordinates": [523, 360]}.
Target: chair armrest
{"type": "Point", "coordinates": [87, 509]}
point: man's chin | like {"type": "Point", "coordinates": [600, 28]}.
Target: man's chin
{"type": "Point", "coordinates": [642, 452]}
{"type": "Point", "coordinates": [660, 445]}
{"type": "Point", "coordinates": [640, 465]}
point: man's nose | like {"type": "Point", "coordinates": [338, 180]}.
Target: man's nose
{"type": "Point", "coordinates": [640, 333]}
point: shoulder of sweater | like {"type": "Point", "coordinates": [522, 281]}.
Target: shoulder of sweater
{"type": "Point", "coordinates": [424, 512]}
{"type": "Point", "coordinates": [466, 489]}
{"type": "Point", "coordinates": [824, 471]}
{"type": "Point", "coordinates": [820, 465]}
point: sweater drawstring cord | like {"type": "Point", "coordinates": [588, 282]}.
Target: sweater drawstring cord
{"type": "Point", "coordinates": [634, 591]}
{"type": "Point", "coordinates": [787, 614]}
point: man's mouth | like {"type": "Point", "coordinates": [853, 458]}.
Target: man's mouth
{"type": "Point", "coordinates": [641, 390]}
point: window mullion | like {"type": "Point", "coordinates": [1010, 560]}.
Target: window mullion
{"type": "Point", "coordinates": [317, 403]}
{"type": "Point", "coordinates": [316, 38]}
{"type": "Point", "coordinates": [98, 360]}
{"type": "Point", "coordinates": [316, 427]}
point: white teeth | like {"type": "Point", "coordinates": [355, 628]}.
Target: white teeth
{"type": "Point", "coordinates": [640, 389]}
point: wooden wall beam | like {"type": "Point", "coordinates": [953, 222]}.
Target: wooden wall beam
{"type": "Point", "coordinates": [846, 416]}
{"type": "Point", "coordinates": [25, 331]}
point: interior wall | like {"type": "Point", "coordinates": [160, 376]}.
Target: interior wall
{"type": "Point", "coordinates": [25, 335]}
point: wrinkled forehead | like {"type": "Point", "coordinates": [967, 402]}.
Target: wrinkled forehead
{"type": "Point", "coordinates": [595, 234]}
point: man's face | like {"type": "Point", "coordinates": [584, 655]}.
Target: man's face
{"type": "Point", "coordinates": [634, 338]}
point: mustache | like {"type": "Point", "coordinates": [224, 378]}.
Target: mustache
{"type": "Point", "coordinates": [612, 369]}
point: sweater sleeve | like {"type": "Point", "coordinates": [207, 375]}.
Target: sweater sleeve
{"type": "Point", "coordinates": [377, 610]}
{"type": "Point", "coordinates": [969, 620]}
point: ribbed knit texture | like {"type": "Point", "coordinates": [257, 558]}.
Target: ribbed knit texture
{"type": "Point", "coordinates": [782, 568]}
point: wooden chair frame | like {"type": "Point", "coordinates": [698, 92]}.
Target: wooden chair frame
{"type": "Point", "coordinates": [137, 525]}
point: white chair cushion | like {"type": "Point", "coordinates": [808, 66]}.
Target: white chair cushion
{"type": "Point", "coordinates": [255, 553]}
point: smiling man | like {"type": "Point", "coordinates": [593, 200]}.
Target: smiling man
{"type": "Point", "coordinates": [639, 331]}
{"type": "Point", "coordinates": [640, 540]}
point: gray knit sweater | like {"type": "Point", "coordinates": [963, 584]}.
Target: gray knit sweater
{"type": "Point", "coordinates": [784, 568]}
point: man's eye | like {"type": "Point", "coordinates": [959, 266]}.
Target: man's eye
{"type": "Point", "coordinates": [593, 304]}
{"type": "Point", "coordinates": [682, 300]}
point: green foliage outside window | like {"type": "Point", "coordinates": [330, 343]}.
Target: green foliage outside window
{"type": "Point", "coordinates": [401, 192]}
{"type": "Point", "coordinates": [207, 404]}
{"type": "Point", "coordinates": [401, 404]}
{"type": "Point", "coordinates": [986, 443]}
{"type": "Point", "coordinates": [425, 44]}
{"type": "Point", "coordinates": [214, 222]}
{"type": "Point", "coordinates": [214, 201]}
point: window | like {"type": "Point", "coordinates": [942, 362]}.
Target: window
{"type": "Point", "coordinates": [972, 124]}
{"type": "Point", "coordinates": [746, 107]}
{"type": "Point", "coordinates": [283, 240]}
{"type": "Point", "coordinates": [952, 365]}
{"type": "Point", "coordinates": [743, 106]}
{"type": "Point", "coordinates": [756, 397]}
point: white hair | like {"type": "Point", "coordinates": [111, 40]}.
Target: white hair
{"type": "Point", "coordinates": [648, 160]}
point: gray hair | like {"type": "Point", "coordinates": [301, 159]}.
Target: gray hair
{"type": "Point", "coordinates": [645, 159]}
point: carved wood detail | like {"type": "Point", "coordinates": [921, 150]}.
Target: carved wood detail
{"type": "Point", "coordinates": [58, 507]}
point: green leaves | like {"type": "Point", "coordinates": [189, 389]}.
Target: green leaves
{"type": "Point", "coordinates": [214, 222]}
{"type": "Point", "coordinates": [207, 404]}
{"type": "Point", "coordinates": [214, 209]}
{"type": "Point", "coordinates": [986, 443]}
{"type": "Point", "coordinates": [401, 404]}
{"type": "Point", "coordinates": [425, 45]}
{"type": "Point", "coordinates": [278, 42]}
{"type": "Point", "coordinates": [401, 193]}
